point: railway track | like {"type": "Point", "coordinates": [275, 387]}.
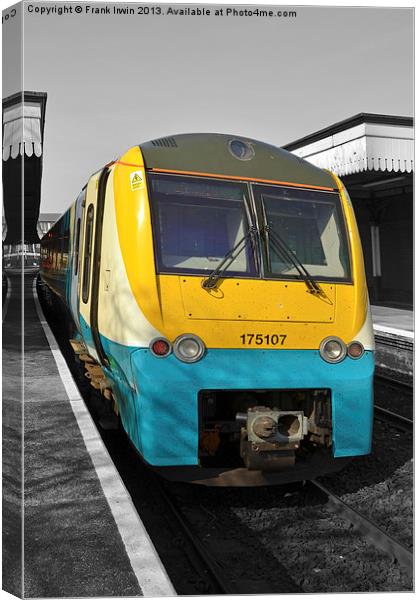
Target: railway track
{"type": "Point", "coordinates": [396, 383]}
{"type": "Point", "coordinates": [394, 402]}
{"type": "Point", "coordinates": [369, 530]}
{"type": "Point", "coordinates": [394, 419]}
{"type": "Point", "coordinates": [212, 577]}
{"type": "Point", "coordinates": [213, 564]}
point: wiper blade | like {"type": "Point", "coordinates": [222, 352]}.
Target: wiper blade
{"type": "Point", "coordinates": [211, 281]}
{"type": "Point", "coordinates": [284, 250]}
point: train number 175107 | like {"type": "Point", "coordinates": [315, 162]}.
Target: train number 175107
{"type": "Point", "coordinates": [269, 339]}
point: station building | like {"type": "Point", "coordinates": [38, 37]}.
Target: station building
{"type": "Point", "coordinates": [373, 155]}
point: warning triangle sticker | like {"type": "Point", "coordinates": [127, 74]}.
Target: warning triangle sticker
{"type": "Point", "coordinates": [136, 180]}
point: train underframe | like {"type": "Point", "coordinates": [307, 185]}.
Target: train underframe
{"type": "Point", "coordinates": [262, 429]}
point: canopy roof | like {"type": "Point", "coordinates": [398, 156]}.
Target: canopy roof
{"type": "Point", "coordinates": [23, 124]}
{"type": "Point", "coordinates": [365, 142]}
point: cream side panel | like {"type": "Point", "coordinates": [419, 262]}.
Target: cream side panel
{"type": "Point", "coordinates": [366, 335]}
{"type": "Point", "coordinates": [120, 318]}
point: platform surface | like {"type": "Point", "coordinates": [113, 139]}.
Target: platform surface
{"type": "Point", "coordinates": [81, 534]}
{"type": "Point", "coordinates": [12, 445]}
{"type": "Point", "coordinates": [393, 320]}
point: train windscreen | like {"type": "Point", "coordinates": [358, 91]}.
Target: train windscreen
{"type": "Point", "coordinates": [197, 222]}
{"type": "Point", "coordinates": [305, 225]}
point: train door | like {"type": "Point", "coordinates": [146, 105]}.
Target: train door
{"type": "Point", "coordinates": [84, 281]}
{"type": "Point", "coordinates": [90, 260]}
{"type": "Point", "coordinates": [77, 239]}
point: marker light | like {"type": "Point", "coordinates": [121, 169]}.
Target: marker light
{"type": "Point", "coordinates": [355, 350]}
{"type": "Point", "coordinates": [333, 350]}
{"type": "Point", "coordinates": [160, 347]}
{"type": "Point", "coordinates": [188, 348]}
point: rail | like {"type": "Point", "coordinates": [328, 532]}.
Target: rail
{"type": "Point", "coordinates": [377, 536]}
{"type": "Point", "coordinates": [398, 383]}
{"type": "Point", "coordinates": [398, 421]}
{"type": "Point", "coordinates": [202, 560]}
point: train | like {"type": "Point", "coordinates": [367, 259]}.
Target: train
{"type": "Point", "coordinates": [215, 293]}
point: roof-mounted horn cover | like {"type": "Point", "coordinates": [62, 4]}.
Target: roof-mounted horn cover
{"type": "Point", "coordinates": [230, 155]}
{"type": "Point", "coordinates": [241, 150]}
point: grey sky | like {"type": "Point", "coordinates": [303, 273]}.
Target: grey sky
{"type": "Point", "coordinates": [115, 81]}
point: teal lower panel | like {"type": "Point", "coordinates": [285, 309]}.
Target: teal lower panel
{"type": "Point", "coordinates": [158, 397]}
{"type": "Point", "coordinates": [168, 389]}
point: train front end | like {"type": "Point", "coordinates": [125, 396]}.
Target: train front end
{"type": "Point", "coordinates": [247, 263]}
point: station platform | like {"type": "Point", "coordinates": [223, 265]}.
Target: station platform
{"type": "Point", "coordinates": [81, 534]}
{"type": "Point", "coordinates": [393, 320]}
{"type": "Point", "coordinates": [394, 340]}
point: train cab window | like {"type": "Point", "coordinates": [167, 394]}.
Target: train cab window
{"type": "Point", "coordinates": [197, 221]}
{"type": "Point", "coordinates": [76, 248]}
{"type": "Point", "coordinates": [88, 251]}
{"type": "Point", "coordinates": [308, 225]}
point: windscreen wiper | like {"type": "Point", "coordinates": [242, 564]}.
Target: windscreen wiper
{"type": "Point", "coordinates": [211, 281]}
{"type": "Point", "coordinates": [284, 250]}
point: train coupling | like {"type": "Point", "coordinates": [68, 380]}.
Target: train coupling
{"type": "Point", "coordinates": [269, 437]}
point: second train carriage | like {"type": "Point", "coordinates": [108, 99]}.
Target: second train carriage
{"type": "Point", "coordinates": [217, 288]}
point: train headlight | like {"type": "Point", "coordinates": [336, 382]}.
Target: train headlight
{"type": "Point", "coordinates": [355, 349]}
{"type": "Point", "coordinates": [333, 350]}
{"type": "Point", "coordinates": [189, 348]}
{"type": "Point", "coordinates": [160, 347]}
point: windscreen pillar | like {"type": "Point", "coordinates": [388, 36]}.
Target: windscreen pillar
{"type": "Point", "coordinates": [23, 136]}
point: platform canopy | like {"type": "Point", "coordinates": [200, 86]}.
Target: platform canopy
{"type": "Point", "coordinates": [23, 133]}
{"type": "Point", "coordinates": [373, 155]}
{"type": "Point", "coordinates": [363, 143]}
{"type": "Point", "coordinates": [23, 121]}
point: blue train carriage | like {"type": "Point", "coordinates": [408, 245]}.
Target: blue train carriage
{"type": "Point", "coordinates": [218, 292]}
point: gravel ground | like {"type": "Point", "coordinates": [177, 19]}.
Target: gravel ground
{"type": "Point", "coordinates": [320, 551]}
{"type": "Point", "coordinates": [323, 553]}
{"type": "Point", "coordinates": [389, 504]}
{"type": "Point", "coordinates": [395, 398]}
{"type": "Point", "coordinates": [380, 485]}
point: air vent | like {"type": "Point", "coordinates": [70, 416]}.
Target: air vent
{"type": "Point", "coordinates": [167, 142]}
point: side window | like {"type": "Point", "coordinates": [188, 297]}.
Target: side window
{"type": "Point", "coordinates": [61, 255]}
{"type": "Point", "coordinates": [87, 262]}
{"type": "Point", "coordinates": [65, 255]}
{"type": "Point", "coordinates": [76, 248]}
{"type": "Point", "coordinates": [54, 253]}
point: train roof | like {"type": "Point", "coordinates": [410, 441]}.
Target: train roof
{"type": "Point", "coordinates": [231, 155]}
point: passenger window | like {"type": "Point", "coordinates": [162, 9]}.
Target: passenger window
{"type": "Point", "coordinates": [87, 262]}
{"type": "Point", "coordinates": [76, 248]}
